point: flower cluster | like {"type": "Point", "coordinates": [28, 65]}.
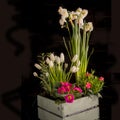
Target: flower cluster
{"type": "Point", "coordinates": [69, 91]}
{"type": "Point", "coordinates": [68, 81]}
{"type": "Point", "coordinates": [54, 70]}
{"type": "Point", "coordinates": [79, 34]}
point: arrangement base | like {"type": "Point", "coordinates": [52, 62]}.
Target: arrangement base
{"type": "Point", "coordinates": [85, 108]}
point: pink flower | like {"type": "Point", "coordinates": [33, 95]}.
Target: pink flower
{"type": "Point", "coordinates": [69, 98]}
{"type": "Point", "coordinates": [101, 78]}
{"type": "Point", "coordinates": [66, 85]}
{"type": "Point", "coordinates": [61, 90]}
{"type": "Point", "coordinates": [78, 89]}
{"type": "Point", "coordinates": [88, 85]}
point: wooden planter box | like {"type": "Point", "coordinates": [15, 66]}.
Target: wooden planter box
{"type": "Point", "coordinates": [85, 108]}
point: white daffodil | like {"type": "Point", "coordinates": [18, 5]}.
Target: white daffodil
{"type": "Point", "coordinates": [89, 26]}
{"type": "Point", "coordinates": [84, 13]}
{"type": "Point", "coordinates": [62, 21]}
{"type": "Point", "coordinates": [79, 10]}
{"type": "Point", "coordinates": [63, 12]}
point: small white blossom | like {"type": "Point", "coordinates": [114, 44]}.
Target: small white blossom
{"type": "Point", "coordinates": [37, 66]}
{"type": "Point", "coordinates": [84, 13]}
{"type": "Point", "coordinates": [79, 10]}
{"type": "Point", "coordinates": [63, 12]}
{"type": "Point", "coordinates": [62, 21]}
{"type": "Point", "coordinates": [35, 74]}
{"type": "Point", "coordinates": [89, 26]}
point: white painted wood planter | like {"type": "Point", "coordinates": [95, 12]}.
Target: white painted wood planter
{"type": "Point", "coordinates": [85, 108]}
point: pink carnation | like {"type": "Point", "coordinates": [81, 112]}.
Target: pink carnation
{"type": "Point", "coordinates": [101, 78]}
{"type": "Point", "coordinates": [61, 90]}
{"type": "Point", "coordinates": [69, 98]}
{"type": "Point", "coordinates": [88, 85]}
{"type": "Point", "coordinates": [77, 89]}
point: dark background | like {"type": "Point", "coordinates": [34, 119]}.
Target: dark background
{"type": "Point", "coordinates": [28, 27]}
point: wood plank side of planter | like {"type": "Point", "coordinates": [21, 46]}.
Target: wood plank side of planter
{"type": "Point", "coordinates": [67, 109]}
{"type": "Point", "coordinates": [92, 114]}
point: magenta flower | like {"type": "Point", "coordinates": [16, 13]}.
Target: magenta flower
{"type": "Point", "coordinates": [61, 90]}
{"type": "Point", "coordinates": [69, 98]}
{"type": "Point", "coordinates": [101, 78]}
{"type": "Point", "coordinates": [77, 89]}
{"type": "Point", "coordinates": [66, 85]}
{"type": "Point", "coordinates": [88, 85]}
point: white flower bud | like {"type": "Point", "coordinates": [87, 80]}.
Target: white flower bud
{"type": "Point", "coordinates": [62, 58]}
{"type": "Point", "coordinates": [57, 60]}
{"type": "Point", "coordinates": [75, 58]}
{"type": "Point", "coordinates": [51, 63]}
{"type": "Point", "coordinates": [46, 74]}
{"type": "Point", "coordinates": [66, 65]}
{"type": "Point", "coordinates": [35, 74]}
{"type": "Point", "coordinates": [78, 63]}
{"type": "Point", "coordinates": [47, 60]}
{"type": "Point", "coordinates": [89, 26]}
{"type": "Point", "coordinates": [52, 57]}
{"type": "Point", "coordinates": [37, 66]}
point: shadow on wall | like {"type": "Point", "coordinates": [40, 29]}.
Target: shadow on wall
{"type": "Point", "coordinates": [35, 30]}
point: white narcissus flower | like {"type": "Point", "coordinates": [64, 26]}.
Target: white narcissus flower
{"type": "Point", "coordinates": [79, 10]}
{"type": "Point", "coordinates": [62, 21]}
{"type": "Point", "coordinates": [63, 12]}
{"type": "Point", "coordinates": [84, 13]}
{"type": "Point", "coordinates": [52, 57]}
{"type": "Point", "coordinates": [80, 22]}
{"type": "Point", "coordinates": [75, 58]}
{"type": "Point", "coordinates": [37, 66]}
{"type": "Point", "coordinates": [62, 58]}
{"type": "Point", "coordinates": [73, 15]}
{"type": "Point", "coordinates": [89, 26]}
{"type": "Point", "coordinates": [35, 74]}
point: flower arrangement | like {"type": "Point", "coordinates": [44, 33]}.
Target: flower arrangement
{"type": "Point", "coordinates": [65, 82]}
